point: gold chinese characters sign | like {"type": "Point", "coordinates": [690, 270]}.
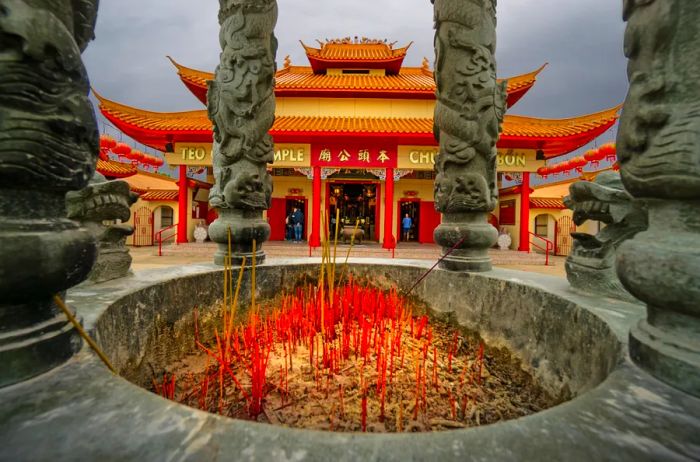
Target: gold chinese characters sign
{"type": "Point", "coordinates": [286, 155]}
{"type": "Point", "coordinates": [353, 156]}
{"type": "Point", "coordinates": [509, 160]}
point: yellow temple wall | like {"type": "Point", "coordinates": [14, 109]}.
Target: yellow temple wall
{"type": "Point", "coordinates": [512, 230]}
{"type": "Point", "coordinates": [153, 206]}
{"type": "Point", "coordinates": [353, 107]}
{"type": "Point", "coordinates": [559, 190]}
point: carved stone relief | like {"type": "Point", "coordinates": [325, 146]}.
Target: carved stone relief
{"type": "Point", "coordinates": [48, 146]}
{"type": "Point", "coordinates": [469, 112]}
{"type": "Point", "coordinates": [659, 155]}
{"type": "Point", "coordinates": [591, 265]}
{"type": "Point", "coordinates": [241, 105]}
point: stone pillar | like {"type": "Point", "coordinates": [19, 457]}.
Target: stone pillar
{"type": "Point", "coordinates": [48, 146]}
{"type": "Point", "coordinates": [182, 206]}
{"type": "Point", "coordinates": [468, 115]}
{"type": "Point", "coordinates": [659, 155]}
{"type": "Point", "coordinates": [389, 240]}
{"type": "Point", "coordinates": [525, 213]}
{"type": "Point", "coordinates": [241, 105]}
{"type": "Point", "coordinates": [315, 239]}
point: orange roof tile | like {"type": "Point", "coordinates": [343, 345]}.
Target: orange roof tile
{"type": "Point", "coordinates": [554, 136]}
{"type": "Point", "coordinates": [344, 50]}
{"type": "Point", "coordinates": [528, 127]}
{"type": "Point", "coordinates": [160, 195]}
{"type": "Point", "coordinates": [547, 203]}
{"type": "Point", "coordinates": [112, 168]}
{"type": "Point", "coordinates": [410, 79]}
{"type": "Point", "coordinates": [301, 80]}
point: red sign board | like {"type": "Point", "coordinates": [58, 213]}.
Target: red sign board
{"type": "Point", "coordinates": [353, 156]}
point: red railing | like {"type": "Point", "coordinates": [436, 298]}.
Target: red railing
{"type": "Point", "coordinates": [549, 246]}
{"type": "Point", "coordinates": [159, 238]}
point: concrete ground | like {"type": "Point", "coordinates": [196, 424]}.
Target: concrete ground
{"type": "Point", "coordinates": [183, 254]}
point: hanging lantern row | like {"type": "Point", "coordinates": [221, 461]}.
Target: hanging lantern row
{"type": "Point", "coordinates": [108, 144]}
{"type": "Point", "coordinates": [592, 156]}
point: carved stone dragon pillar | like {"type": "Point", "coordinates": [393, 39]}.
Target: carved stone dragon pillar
{"type": "Point", "coordinates": [48, 145]}
{"type": "Point", "coordinates": [468, 116]}
{"type": "Point", "coordinates": [659, 154]}
{"type": "Point", "coordinates": [241, 104]}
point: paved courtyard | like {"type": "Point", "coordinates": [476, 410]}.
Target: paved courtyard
{"type": "Point", "coordinates": [173, 255]}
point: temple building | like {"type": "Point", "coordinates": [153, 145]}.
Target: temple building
{"type": "Point", "coordinates": [354, 132]}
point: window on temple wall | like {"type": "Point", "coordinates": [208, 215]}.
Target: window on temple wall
{"type": "Point", "coordinates": [166, 217]}
{"type": "Point", "coordinates": [507, 212]}
{"type": "Point", "coordinates": [542, 225]}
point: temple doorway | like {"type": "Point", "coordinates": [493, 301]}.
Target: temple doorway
{"type": "Point", "coordinates": [356, 202]}
{"type": "Point", "coordinates": [292, 203]}
{"type": "Point", "coordinates": [410, 208]}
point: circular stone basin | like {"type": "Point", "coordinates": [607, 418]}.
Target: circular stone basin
{"type": "Point", "coordinates": [566, 348]}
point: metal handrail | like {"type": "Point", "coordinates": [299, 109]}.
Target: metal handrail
{"type": "Point", "coordinates": [549, 246]}
{"type": "Point", "coordinates": [159, 238]}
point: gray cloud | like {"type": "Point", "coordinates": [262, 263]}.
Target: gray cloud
{"type": "Point", "coordinates": [581, 40]}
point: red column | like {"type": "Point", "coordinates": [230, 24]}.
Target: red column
{"type": "Point", "coordinates": [389, 240]}
{"type": "Point", "coordinates": [315, 238]}
{"type": "Point", "coordinates": [525, 213]}
{"type": "Point", "coordinates": [183, 211]}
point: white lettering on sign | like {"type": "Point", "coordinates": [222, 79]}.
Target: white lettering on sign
{"type": "Point", "coordinates": [289, 155]}
{"type": "Point", "coordinates": [422, 157]}
{"type": "Point", "coordinates": [194, 153]}
{"type": "Point", "coordinates": [511, 160]}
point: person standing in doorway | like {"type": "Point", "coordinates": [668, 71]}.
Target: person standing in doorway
{"type": "Point", "coordinates": [298, 222]}
{"type": "Point", "coordinates": [288, 228]}
{"type": "Point", "coordinates": [406, 224]}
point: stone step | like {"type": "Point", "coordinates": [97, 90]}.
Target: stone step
{"type": "Point", "coordinates": [409, 251]}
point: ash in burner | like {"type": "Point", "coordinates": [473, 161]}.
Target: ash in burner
{"type": "Point", "coordinates": [359, 360]}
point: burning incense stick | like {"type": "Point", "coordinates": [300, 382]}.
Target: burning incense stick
{"type": "Point", "coordinates": [57, 300]}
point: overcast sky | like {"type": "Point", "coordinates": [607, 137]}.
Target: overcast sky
{"type": "Point", "coordinates": [580, 39]}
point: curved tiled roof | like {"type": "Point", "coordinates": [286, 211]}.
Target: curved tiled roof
{"type": "Point", "coordinates": [547, 203]}
{"type": "Point", "coordinates": [115, 169]}
{"type": "Point", "coordinates": [554, 136]}
{"type": "Point", "coordinates": [519, 126]}
{"type": "Point", "coordinates": [333, 51]}
{"type": "Point", "coordinates": [159, 195]}
{"type": "Point", "coordinates": [301, 81]}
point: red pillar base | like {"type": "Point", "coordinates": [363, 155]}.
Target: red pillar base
{"type": "Point", "coordinates": [389, 239]}
{"type": "Point", "coordinates": [525, 214]}
{"type": "Point", "coordinates": [315, 238]}
{"type": "Point", "coordinates": [183, 211]}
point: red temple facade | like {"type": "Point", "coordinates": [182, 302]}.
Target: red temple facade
{"type": "Point", "coordinates": [354, 135]}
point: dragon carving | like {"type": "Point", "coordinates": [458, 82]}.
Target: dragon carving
{"type": "Point", "coordinates": [241, 106]}
{"type": "Point", "coordinates": [469, 112]}
{"type": "Point", "coordinates": [48, 146]}
{"type": "Point", "coordinates": [591, 265]}
{"type": "Point", "coordinates": [99, 202]}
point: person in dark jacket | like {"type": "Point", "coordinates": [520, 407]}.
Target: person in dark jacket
{"type": "Point", "coordinates": [298, 223]}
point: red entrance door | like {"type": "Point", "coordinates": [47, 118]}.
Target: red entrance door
{"type": "Point", "coordinates": [276, 217]}
{"type": "Point", "coordinates": [429, 220]}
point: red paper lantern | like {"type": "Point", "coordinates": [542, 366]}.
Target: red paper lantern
{"type": "Point", "coordinates": [608, 151]}
{"type": "Point", "coordinates": [107, 143]}
{"type": "Point", "coordinates": [578, 163]}
{"type": "Point", "coordinates": [543, 172]}
{"type": "Point", "coordinates": [591, 155]}
{"type": "Point", "coordinates": [159, 162]}
{"type": "Point", "coordinates": [122, 149]}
